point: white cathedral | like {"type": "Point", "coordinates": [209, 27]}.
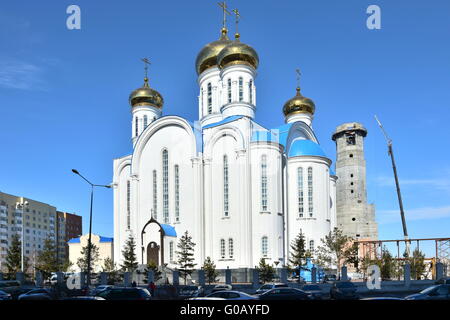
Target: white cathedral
{"type": "Point", "coordinates": [242, 191]}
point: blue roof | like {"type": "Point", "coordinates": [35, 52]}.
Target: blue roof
{"type": "Point", "coordinates": [102, 239]}
{"type": "Point", "coordinates": [224, 121]}
{"type": "Point", "coordinates": [305, 148]}
{"type": "Point", "coordinates": [169, 231]}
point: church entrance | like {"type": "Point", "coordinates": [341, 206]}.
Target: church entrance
{"type": "Point", "coordinates": [153, 253]}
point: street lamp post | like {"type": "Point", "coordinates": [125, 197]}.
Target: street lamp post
{"type": "Point", "coordinates": [22, 204]}
{"type": "Point", "coordinates": [90, 223]}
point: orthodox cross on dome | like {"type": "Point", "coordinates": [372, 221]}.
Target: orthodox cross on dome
{"type": "Point", "coordinates": [238, 17]}
{"type": "Point", "coordinates": [146, 64]}
{"type": "Point", "coordinates": [224, 7]}
{"type": "Point", "coordinates": [297, 71]}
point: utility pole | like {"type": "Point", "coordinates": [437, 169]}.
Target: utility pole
{"type": "Point", "coordinates": [397, 184]}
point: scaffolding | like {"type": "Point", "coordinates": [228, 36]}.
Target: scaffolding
{"type": "Point", "coordinates": [374, 250]}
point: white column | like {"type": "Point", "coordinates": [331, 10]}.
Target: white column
{"type": "Point", "coordinates": [209, 244]}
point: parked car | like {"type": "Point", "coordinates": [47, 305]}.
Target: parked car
{"type": "Point", "coordinates": [186, 292]}
{"type": "Point", "coordinates": [11, 287]}
{"type": "Point", "coordinates": [125, 293]}
{"type": "Point", "coordinates": [436, 292]}
{"type": "Point", "coordinates": [38, 294]}
{"type": "Point", "coordinates": [84, 298]}
{"type": "Point", "coordinates": [329, 278]}
{"type": "Point", "coordinates": [269, 286]}
{"type": "Point", "coordinates": [443, 281]}
{"type": "Point", "coordinates": [231, 295]}
{"type": "Point", "coordinates": [314, 291]}
{"type": "Point", "coordinates": [284, 294]}
{"type": "Point", "coordinates": [221, 287]}
{"type": "Point", "coordinates": [99, 288]}
{"type": "Point", "coordinates": [206, 298]}
{"type": "Point", "coordinates": [343, 290]}
{"type": "Point", "coordinates": [5, 296]}
{"type": "Point", "coordinates": [382, 298]}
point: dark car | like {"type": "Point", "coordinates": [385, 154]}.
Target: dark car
{"type": "Point", "coordinates": [329, 278]}
{"type": "Point", "coordinates": [231, 295]}
{"type": "Point", "coordinates": [38, 294]}
{"type": "Point", "coordinates": [343, 290]}
{"type": "Point", "coordinates": [268, 286]}
{"type": "Point", "coordinates": [314, 291]}
{"type": "Point", "coordinates": [84, 298]}
{"type": "Point", "coordinates": [99, 289]}
{"type": "Point", "coordinates": [125, 293]}
{"type": "Point", "coordinates": [443, 281]}
{"type": "Point", "coordinates": [220, 287]}
{"type": "Point", "coordinates": [186, 292]}
{"type": "Point", "coordinates": [382, 298]}
{"type": "Point", "coordinates": [436, 292]}
{"type": "Point", "coordinates": [5, 296]}
{"type": "Point", "coordinates": [11, 287]}
{"type": "Point", "coordinates": [284, 294]}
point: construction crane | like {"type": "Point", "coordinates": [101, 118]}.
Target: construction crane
{"type": "Point", "coordinates": [399, 195]}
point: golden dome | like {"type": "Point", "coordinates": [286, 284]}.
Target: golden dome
{"type": "Point", "coordinates": [207, 57]}
{"type": "Point", "coordinates": [146, 96]}
{"type": "Point", "coordinates": [299, 104]}
{"type": "Point", "coordinates": [238, 53]}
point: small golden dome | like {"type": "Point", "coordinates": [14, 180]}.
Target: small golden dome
{"type": "Point", "coordinates": [207, 57]}
{"type": "Point", "coordinates": [146, 96]}
{"type": "Point", "coordinates": [238, 53]}
{"type": "Point", "coordinates": [299, 104]}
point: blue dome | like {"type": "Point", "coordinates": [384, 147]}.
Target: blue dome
{"type": "Point", "coordinates": [305, 148]}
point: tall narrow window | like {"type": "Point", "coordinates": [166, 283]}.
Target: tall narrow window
{"type": "Point", "coordinates": [310, 191]}
{"type": "Point", "coordinates": [136, 126]}
{"type": "Point", "coordinates": [165, 162]}
{"type": "Point", "coordinates": [250, 90]}
{"type": "Point", "coordinates": [311, 245]}
{"type": "Point", "coordinates": [155, 196]}
{"type": "Point", "coordinates": [264, 246]}
{"type": "Point", "coordinates": [229, 90]}
{"type": "Point", "coordinates": [225, 187]}
{"type": "Point", "coordinates": [128, 205]}
{"type": "Point", "coordinates": [209, 98]}
{"type": "Point", "coordinates": [264, 183]}
{"type": "Point", "coordinates": [300, 192]}
{"type": "Point", "coordinates": [171, 251]}
{"type": "Point", "coordinates": [241, 90]}
{"type": "Point", "coordinates": [145, 121]}
{"type": "Point", "coordinates": [222, 248]}
{"type": "Point", "coordinates": [230, 248]}
{"type": "Point", "coordinates": [177, 193]}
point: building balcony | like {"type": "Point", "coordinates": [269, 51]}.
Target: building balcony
{"type": "Point", "coordinates": [3, 237]}
{"type": "Point", "coordinates": [3, 214]}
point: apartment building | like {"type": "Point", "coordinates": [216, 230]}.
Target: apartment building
{"type": "Point", "coordinates": [34, 222]}
{"type": "Point", "coordinates": [68, 226]}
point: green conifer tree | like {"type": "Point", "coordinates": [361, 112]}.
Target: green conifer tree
{"type": "Point", "coordinates": [185, 256]}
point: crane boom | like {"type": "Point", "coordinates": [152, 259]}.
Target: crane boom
{"type": "Point", "coordinates": [397, 184]}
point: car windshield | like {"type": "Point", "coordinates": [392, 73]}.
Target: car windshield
{"type": "Point", "coordinates": [428, 290]}
{"type": "Point", "coordinates": [266, 286]}
{"type": "Point", "coordinates": [281, 285]}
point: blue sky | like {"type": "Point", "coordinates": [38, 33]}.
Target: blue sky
{"type": "Point", "coordinates": [63, 93]}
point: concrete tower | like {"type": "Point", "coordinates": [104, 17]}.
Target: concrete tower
{"type": "Point", "coordinates": [355, 217]}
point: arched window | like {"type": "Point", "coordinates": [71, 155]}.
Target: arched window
{"type": "Point", "coordinates": [250, 90]}
{"type": "Point", "coordinates": [229, 90]}
{"type": "Point", "coordinates": [222, 248]}
{"type": "Point", "coordinates": [177, 193]}
{"type": "Point", "coordinates": [241, 90]}
{"type": "Point", "coordinates": [225, 187]}
{"type": "Point", "coordinates": [145, 121]}
{"type": "Point", "coordinates": [310, 191]}
{"type": "Point", "coordinates": [209, 98]}
{"type": "Point", "coordinates": [136, 126]}
{"type": "Point", "coordinates": [230, 248]}
{"type": "Point", "coordinates": [171, 251]}
{"type": "Point", "coordinates": [128, 204]}
{"type": "Point", "coordinates": [264, 183]}
{"type": "Point", "coordinates": [165, 168]}
{"type": "Point", "coordinates": [155, 196]}
{"type": "Point", "coordinates": [300, 192]}
{"type": "Point", "coordinates": [311, 245]}
{"type": "Point", "coordinates": [264, 246]}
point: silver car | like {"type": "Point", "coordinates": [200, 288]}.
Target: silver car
{"type": "Point", "coordinates": [231, 295]}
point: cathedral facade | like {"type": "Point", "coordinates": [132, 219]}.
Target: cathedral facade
{"type": "Point", "coordinates": [242, 191]}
